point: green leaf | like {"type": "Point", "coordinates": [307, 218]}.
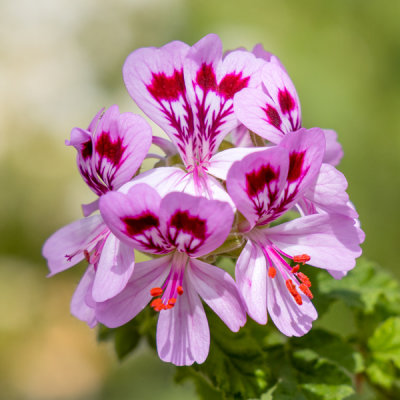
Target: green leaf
{"type": "Point", "coordinates": [328, 392]}
{"type": "Point", "coordinates": [235, 366]}
{"type": "Point", "coordinates": [330, 347]}
{"type": "Point", "coordinates": [385, 343]}
{"type": "Point", "coordinates": [363, 288]}
{"type": "Point", "coordinates": [126, 340]}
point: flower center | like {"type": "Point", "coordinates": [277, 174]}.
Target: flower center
{"type": "Point", "coordinates": [294, 279]}
{"type": "Point", "coordinates": [173, 285]}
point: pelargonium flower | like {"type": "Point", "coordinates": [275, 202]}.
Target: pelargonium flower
{"type": "Point", "coordinates": [264, 186]}
{"type": "Point", "coordinates": [188, 92]}
{"type": "Point", "coordinates": [272, 111]}
{"type": "Point", "coordinates": [181, 228]}
{"type": "Point", "coordinates": [109, 153]}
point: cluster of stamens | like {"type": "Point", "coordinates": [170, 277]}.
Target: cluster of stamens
{"type": "Point", "coordinates": [305, 281]}
{"type": "Point", "coordinates": [158, 304]}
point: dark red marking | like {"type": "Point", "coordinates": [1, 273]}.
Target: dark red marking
{"type": "Point", "coordinates": [273, 116]}
{"type": "Point", "coordinates": [195, 226]}
{"type": "Point", "coordinates": [87, 149]}
{"type": "Point", "coordinates": [257, 180]}
{"type": "Point", "coordinates": [206, 77]}
{"type": "Point", "coordinates": [295, 166]}
{"type": "Point", "coordinates": [169, 88]}
{"type": "Point", "coordinates": [141, 223]}
{"type": "Point", "coordinates": [286, 101]}
{"type": "Point", "coordinates": [231, 84]}
{"type": "Point", "coordinates": [113, 151]}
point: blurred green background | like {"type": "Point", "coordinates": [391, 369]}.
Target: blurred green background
{"type": "Point", "coordinates": [60, 61]}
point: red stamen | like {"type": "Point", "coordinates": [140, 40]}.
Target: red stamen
{"type": "Point", "coordinates": [306, 290]}
{"type": "Point", "coordinates": [271, 272]}
{"type": "Point", "coordinates": [295, 269]}
{"type": "Point", "coordinates": [171, 302]}
{"type": "Point", "coordinates": [301, 258]}
{"type": "Point", "coordinates": [298, 299]}
{"type": "Point", "coordinates": [179, 289]}
{"type": "Point", "coordinates": [156, 303]}
{"type": "Point", "coordinates": [293, 291]}
{"type": "Point", "coordinates": [304, 279]}
{"type": "Point", "coordinates": [169, 306]}
{"type": "Point", "coordinates": [156, 292]}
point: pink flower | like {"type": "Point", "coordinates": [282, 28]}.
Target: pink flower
{"type": "Point", "coordinates": [188, 92]}
{"type": "Point", "coordinates": [181, 228]}
{"type": "Point", "coordinates": [264, 186]}
{"type": "Point", "coordinates": [110, 152]}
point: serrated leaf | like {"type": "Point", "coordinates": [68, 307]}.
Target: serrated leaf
{"type": "Point", "coordinates": [362, 288]}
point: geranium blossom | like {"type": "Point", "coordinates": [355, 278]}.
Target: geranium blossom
{"type": "Point", "coordinates": [264, 186]}
{"type": "Point", "coordinates": [182, 228]}
{"type": "Point", "coordinates": [188, 92]}
{"type": "Point", "coordinates": [109, 153]}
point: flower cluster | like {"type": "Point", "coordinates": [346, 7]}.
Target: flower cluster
{"type": "Point", "coordinates": [237, 160]}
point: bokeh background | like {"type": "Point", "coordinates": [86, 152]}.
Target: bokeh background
{"type": "Point", "coordinates": [60, 61]}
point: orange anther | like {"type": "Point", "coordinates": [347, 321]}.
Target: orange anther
{"type": "Point", "coordinates": [295, 269]}
{"type": "Point", "coordinates": [271, 272]}
{"type": "Point", "coordinates": [169, 306]}
{"type": "Point", "coordinates": [290, 286]}
{"type": "Point", "coordinates": [306, 290]}
{"type": "Point", "coordinates": [298, 299]}
{"type": "Point", "coordinates": [301, 258]}
{"type": "Point", "coordinates": [156, 303]}
{"type": "Point", "coordinates": [156, 291]}
{"type": "Point", "coordinates": [172, 301]}
{"type": "Point", "coordinates": [304, 279]}
{"type": "Point", "coordinates": [179, 289]}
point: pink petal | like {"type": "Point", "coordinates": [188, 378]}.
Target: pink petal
{"type": "Point", "coordinates": [120, 144]}
{"type": "Point", "coordinates": [217, 288]}
{"type": "Point", "coordinates": [64, 248]}
{"type": "Point", "coordinates": [256, 110]}
{"type": "Point", "coordinates": [183, 335]}
{"type": "Point", "coordinates": [240, 137]}
{"type": "Point", "coordinates": [134, 218]}
{"type": "Point", "coordinates": [82, 141]}
{"type": "Point", "coordinates": [114, 269]}
{"type": "Point", "coordinates": [126, 305]}
{"type": "Point", "coordinates": [211, 84]}
{"type": "Point", "coordinates": [328, 194]}
{"type": "Point", "coordinates": [251, 278]}
{"type": "Point", "coordinates": [256, 182]}
{"type": "Point", "coordinates": [334, 151]}
{"type": "Point", "coordinates": [306, 150]}
{"type": "Point", "coordinates": [283, 94]}
{"type": "Point", "coordinates": [90, 208]}
{"type": "Point", "coordinates": [171, 179]}
{"type": "Point", "coordinates": [195, 225]}
{"type": "Point", "coordinates": [154, 79]}
{"type": "Point", "coordinates": [79, 307]}
{"type": "Point", "coordinates": [289, 317]}
{"type": "Point", "coordinates": [260, 52]}
{"type": "Point", "coordinates": [332, 241]}
{"type": "Point", "coordinates": [223, 160]}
